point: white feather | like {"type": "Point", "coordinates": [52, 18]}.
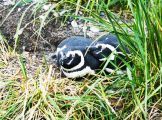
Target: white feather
{"type": "Point", "coordinates": [60, 49]}
{"type": "Point", "coordinates": [80, 73]}
{"type": "Point", "coordinates": [109, 70]}
{"type": "Point", "coordinates": [104, 46]}
{"type": "Point", "coordinates": [82, 62]}
{"type": "Point", "coordinates": [70, 62]}
{"type": "Point", "coordinates": [111, 57]}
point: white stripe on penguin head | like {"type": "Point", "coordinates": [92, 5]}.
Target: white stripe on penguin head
{"type": "Point", "coordinates": [82, 62]}
{"type": "Point", "coordinates": [60, 49]}
{"type": "Point", "coordinates": [104, 46]}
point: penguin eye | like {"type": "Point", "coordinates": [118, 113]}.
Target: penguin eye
{"type": "Point", "coordinates": [66, 60]}
{"type": "Point", "coordinates": [99, 47]}
{"type": "Point", "coordinates": [54, 56]}
{"type": "Point", "coordinates": [69, 58]}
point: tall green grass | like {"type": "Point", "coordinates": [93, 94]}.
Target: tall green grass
{"type": "Point", "coordinates": [144, 41]}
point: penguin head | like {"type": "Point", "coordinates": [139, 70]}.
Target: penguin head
{"type": "Point", "coordinates": [100, 50]}
{"type": "Point", "coordinates": [71, 59]}
{"type": "Point", "coordinates": [68, 59]}
{"type": "Point", "coordinates": [74, 64]}
{"type": "Point", "coordinates": [53, 57]}
{"type": "Point", "coordinates": [56, 58]}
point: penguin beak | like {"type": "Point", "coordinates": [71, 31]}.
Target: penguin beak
{"type": "Point", "coordinates": [61, 59]}
{"type": "Point", "coordinates": [61, 62]}
{"type": "Point", "coordinates": [53, 58]}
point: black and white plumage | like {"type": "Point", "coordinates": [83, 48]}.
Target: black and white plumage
{"type": "Point", "coordinates": [107, 48]}
{"type": "Point", "coordinates": [77, 56]}
{"type": "Point", "coordinates": [70, 57]}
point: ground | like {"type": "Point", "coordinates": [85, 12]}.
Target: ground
{"type": "Point", "coordinates": [34, 48]}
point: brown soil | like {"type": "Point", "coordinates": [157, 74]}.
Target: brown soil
{"type": "Point", "coordinates": [51, 34]}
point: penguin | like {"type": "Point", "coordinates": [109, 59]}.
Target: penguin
{"type": "Point", "coordinates": [78, 56]}
{"type": "Point", "coordinates": [107, 48]}
{"type": "Point", "coordinates": [72, 58]}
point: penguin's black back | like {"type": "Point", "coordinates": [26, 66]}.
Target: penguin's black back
{"type": "Point", "coordinates": [75, 41]}
{"type": "Point", "coordinates": [108, 39]}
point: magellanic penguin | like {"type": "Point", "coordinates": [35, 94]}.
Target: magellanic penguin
{"type": "Point", "coordinates": [77, 56]}
{"type": "Point", "coordinates": [71, 58]}
{"type": "Point", "coordinates": [107, 48]}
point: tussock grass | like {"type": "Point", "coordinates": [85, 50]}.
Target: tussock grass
{"type": "Point", "coordinates": [32, 89]}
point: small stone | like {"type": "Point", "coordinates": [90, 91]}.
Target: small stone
{"type": "Point", "coordinates": [94, 29]}
{"type": "Point", "coordinates": [102, 14]}
{"type": "Point", "coordinates": [74, 24]}
{"type": "Point", "coordinates": [19, 9]}
{"type": "Point", "coordinates": [46, 7]}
